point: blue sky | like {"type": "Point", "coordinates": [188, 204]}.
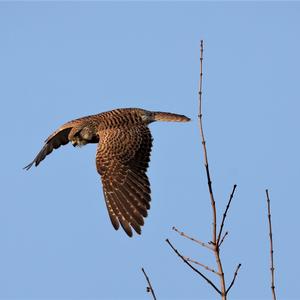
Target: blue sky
{"type": "Point", "coordinates": [60, 61]}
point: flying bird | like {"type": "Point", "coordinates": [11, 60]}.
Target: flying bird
{"type": "Point", "coordinates": [122, 158]}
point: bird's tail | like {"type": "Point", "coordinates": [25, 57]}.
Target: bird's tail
{"type": "Point", "coordinates": [169, 117]}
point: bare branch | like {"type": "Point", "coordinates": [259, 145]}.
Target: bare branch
{"type": "Point", "coordinates": [233, 279]}
{"type": "Point", "coordinates": [192, 239]}
{"type": "Point", "coordinates": [271, 247]}
{"type": "Point", "coordinates": [193, 268]}
{"type": "Point", "coordinates": [217, 239]}
{"type": "Point", "coordinates": [204, 147]}
{"type": "Point", "coordinates": [202, 265]}
{"type": "Point", "coordinates": [149, 287]}
{"type": "Point", "coordinates": [209, 183]}
{"type": "Point", "coordinates": [225, 214]}
{"type": "Point", "coordinates": [223, 238]}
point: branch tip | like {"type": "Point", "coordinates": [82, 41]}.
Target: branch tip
{"type": "Point", "coordinates": [225, 213]}
{"type": "Point", "coordinates": [149, 288]}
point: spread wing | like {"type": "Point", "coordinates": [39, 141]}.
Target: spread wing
{"type": "Point", "coordinates": [55, 140]}
{"type": "Point", "coordinates": [122, 160]}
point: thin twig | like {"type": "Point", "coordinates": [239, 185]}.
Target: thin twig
{"type": "Point", "coordinates": [212, 199]}
{"type": "Point", "coordinates": [233, 279]}
{"type": "Point", "coordinates": [149, 287]}
{"type": "Point", "coordinates": [271, 246]}
{"type": "Point", "coordinates": [192, 239]}
{"type": "Point", "coordinates": [223, 238]}
{"type": "Point", "coordinates": [193, 268]}
{"type": "Point", "coordinates": [225, 214]}
{"type": "Point", "coordinates": [202, 265]}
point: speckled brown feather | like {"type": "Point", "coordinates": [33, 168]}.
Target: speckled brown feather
{"type": "Point", "coordinates": [122, 158]}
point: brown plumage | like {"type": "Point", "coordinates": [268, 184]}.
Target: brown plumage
{"type": "Point", "coordinates": [122, 158]}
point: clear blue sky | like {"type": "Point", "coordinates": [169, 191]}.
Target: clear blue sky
{"type": "Point", "coordinates": [59, 61]}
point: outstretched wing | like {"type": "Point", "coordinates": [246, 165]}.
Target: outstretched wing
{"type": "Point", "coordinates": [54, 141]}
{"type": "Point", "coordinates": [122, 160]}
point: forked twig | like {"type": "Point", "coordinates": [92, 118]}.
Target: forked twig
{"type": "Point", "coordinates": [271, 247]}
{"type": "Point", "coordinates": [192, 239]}
{"type": "Point", "coordinates": [225, 214]}
{"type": "Point", "coordinates": [149, 287]}
{"type": "Point", "coordinates": [193, 268]}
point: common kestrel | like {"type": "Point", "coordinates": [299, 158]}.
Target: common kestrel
{"type": "Point", "coordinates": [122, 158]}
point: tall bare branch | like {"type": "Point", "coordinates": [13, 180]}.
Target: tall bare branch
{"type": "Point", "coordinates": [217, 238]}
{"type": "Point", "coordinates": [209, 182]}
{"type": "Point", "coordinates": [272, 269]}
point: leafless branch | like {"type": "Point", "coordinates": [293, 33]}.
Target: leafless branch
{"type": "Point", "coordinates": [217, 239]}
{"type": "Point", "coordinates": [225, 214]}
{"type": "Point", "coordinates": [193, 268]}
{"type": "Point", "coordinates": [149, 287]}
{"type": "Point", "coordinates": [271, 247]}
{"type": "Point", "coordinates": [223, 238]}
{"type": "Point", "coordinates": [233, 279]}
{"type": "Point", "coordinates": [212, 199]}
{"type": "Point", "coordinates": [209, 182]}
{"type": "Point", "coordinates": [192, 239]}
{"type": "Point", "coordinates": [202, 265]}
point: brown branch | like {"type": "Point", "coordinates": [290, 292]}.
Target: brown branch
{"type": "Point", "coordinates": [223, 238]}
{"type": "Point", "coordinates": [271, 247]}
{"type": "Point", "coordinates": [216, 241]}
{"type": "Point", "coordinates": [209, 182]}
{"type": "Point", "coordinates": [202, 265]}
{"type": "Point", "coordinates": [149, 287]}
{"type": "Point", "coordinates": [233, 279]}
{"type": "Point", "coordinates": [212, 199]}
{"type": "Point", "coordinates": [193, 268]}
{"type": "Point", "coordinates": [192, 239]}
{"type": "Point", "coordinates": [225, 214]}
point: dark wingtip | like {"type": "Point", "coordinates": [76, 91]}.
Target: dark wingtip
{"type": "Point", "coordinates": [28, 166]}
{"type": "Point", "coordinates": [128, 232]}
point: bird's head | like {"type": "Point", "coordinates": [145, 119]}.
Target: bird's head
{"type": "Point", "coordinates": [147, 116]}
